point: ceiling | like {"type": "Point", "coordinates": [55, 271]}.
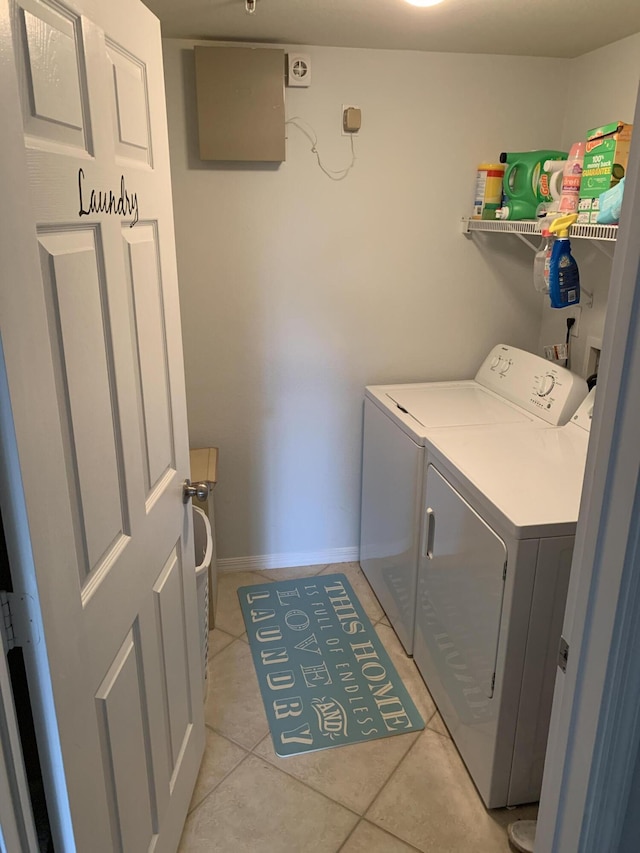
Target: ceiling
{"type": "Point", "coordinates": [558, 28]}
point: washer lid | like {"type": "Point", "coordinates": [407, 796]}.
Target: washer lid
{"type": "Point", "coordinates": [450, 405]}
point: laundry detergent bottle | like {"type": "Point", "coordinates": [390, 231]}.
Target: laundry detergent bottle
{"type": "Point", "coordinates": [564, 277]}
{"type": "Point", "coordinates": [526, 183]}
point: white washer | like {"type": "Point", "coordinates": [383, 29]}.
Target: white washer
{"type": "Point", "coordinates": [511, 387]}
{"type": "Point", "coordinates": [501, 507]}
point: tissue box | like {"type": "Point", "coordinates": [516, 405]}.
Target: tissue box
{"type": "Point", "coordinates": [605, 163]}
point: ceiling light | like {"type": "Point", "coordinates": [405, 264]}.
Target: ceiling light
{"type": "Point", "coordinates": [424, 2]}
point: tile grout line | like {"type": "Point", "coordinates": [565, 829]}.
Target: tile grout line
{"type": "Point", "coordinates": [388, 779]}
{"type": "Point", "coordinates": [247, 749]}
{"type": "Point", "coordinates": [229, 634]}
{"type": "Point", "coordinates": [215, 654]}
{"type": "Point", "coordinates": [385, 831]}
{"type": "Point", "coordinates": [396, 837]}
{"type": "Point", "coordinates": [386, 782]}
{"type": "Point", "coordinates": [357, 824]}
{"type": "Point", "coordinates": [301, 781]}
{"type": "Point", "coordinates": [444, 737]}
{"type": "Point", "coordinates": [304, 784]}
{"type": "Point", "coordinates": [360, 817]}
{"type": "Point", "coordinates": [384, 785]}
{"type": "Point", "coordinates": [391, 775]}
{"type": "Point", "coordinates": [322, 793]}
{"type": "Point", "coordinates": [217, 785]}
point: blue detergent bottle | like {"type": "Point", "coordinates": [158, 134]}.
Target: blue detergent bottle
{"type": "Point", "coordinates": [564, 276]}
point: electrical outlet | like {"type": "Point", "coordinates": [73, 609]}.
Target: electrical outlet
{"type": "Point", "coordinates": [574, 311]}
{"type": "Point", "coordinates": [342, 130]}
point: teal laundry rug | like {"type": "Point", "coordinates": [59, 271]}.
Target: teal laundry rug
{"type": "Point", "coordinates": [325, 677]}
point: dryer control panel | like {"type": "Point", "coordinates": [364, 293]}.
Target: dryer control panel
{"type": "Point", "coordinates": [539, 386]}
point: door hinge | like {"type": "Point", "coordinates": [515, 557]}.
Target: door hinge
{"type": "Point", "coordinates": [15, 622]}
{"type": "Point", "coordinates": [563, 654]}
{"type": "Point", "coordinates": [493, 683]}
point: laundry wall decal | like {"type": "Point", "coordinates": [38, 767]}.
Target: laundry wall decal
{"type": "Point", "coordinates": [106, 201]}
{"type": "Point", "coordinates": [325, 677]}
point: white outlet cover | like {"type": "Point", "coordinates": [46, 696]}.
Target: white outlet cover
{"type": "Point", "coordinates": [298, 69]}
{"type": "Point", "coordinates": [342, 130]}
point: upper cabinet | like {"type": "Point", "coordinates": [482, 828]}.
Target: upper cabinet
{"type": "Point", "coordinates": [240, 97]}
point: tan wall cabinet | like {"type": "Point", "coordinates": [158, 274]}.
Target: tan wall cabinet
{"type": "Point", "coordinates": [240, 96]}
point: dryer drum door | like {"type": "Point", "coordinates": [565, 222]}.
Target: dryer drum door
{"type": "Point", "coordinates": [459, 604]}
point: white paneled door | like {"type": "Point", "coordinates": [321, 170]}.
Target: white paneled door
{"type": "Point", "coordinates": [90, 328]}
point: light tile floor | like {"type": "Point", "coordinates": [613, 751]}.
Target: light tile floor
{"type": "Point", "coordinates": [393, 795]}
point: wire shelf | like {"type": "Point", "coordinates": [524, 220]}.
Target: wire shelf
{"type": "Point", "coordinates": [608, 233]}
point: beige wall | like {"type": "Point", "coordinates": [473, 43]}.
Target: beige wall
{"type": "Point", "coordinates": [297, 291]}
{"type": "Point", "coordinates": [602, 87]}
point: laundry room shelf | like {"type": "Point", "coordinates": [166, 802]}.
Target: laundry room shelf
{"type": "Point", "coordinates": [596, 233]}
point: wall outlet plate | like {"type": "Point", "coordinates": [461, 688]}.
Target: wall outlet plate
{"type": "Point", "coordinates": [342, 130]}
{"type": "Point", "coordinates": [574, 311]}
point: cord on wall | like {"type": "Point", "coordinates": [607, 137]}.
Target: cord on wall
{"type": "Point", "coordinates": [570, 323]}
{"type": "Point", "coordinates": [335, 174]}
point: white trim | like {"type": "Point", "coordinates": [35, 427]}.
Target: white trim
{"type": "Point", "coordinates": [593, 737]}
{"type": "Point", "coordinates": [286, 561]}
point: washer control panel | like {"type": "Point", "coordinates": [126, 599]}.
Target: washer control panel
{"type": "Point", "coordinates": [539, 386]}
{"type": "Point", "coordinates": [545, 385]}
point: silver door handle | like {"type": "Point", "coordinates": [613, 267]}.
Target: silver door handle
{"type": "Point", "coordinates": [194, 490]}
{"type": "Point", "coordinates": [431, 532]}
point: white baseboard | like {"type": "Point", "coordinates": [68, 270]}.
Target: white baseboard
{"type": "Point", "coordinates": [285, 561]}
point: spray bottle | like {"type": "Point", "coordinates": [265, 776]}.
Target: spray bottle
{"type": "Point", "coordinates": [564, 277]}
{"type": "Point", "coordinates": [542, 262]}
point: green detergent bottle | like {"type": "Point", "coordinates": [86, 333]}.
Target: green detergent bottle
{"type": "Point", "coordinates": [526, 184]}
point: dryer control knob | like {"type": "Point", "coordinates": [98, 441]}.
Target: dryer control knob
{"type": "Point", "coordinates": [505, 367]}
{"type": "Point", "coordinates": [495, 361]}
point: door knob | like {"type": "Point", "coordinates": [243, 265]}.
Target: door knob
{"type": "Point", "coordinates": [194, 490]}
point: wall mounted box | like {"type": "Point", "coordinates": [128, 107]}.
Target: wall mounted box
{"type": "Point", "coordinates": [240, 97]}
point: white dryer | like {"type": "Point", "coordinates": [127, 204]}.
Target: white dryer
{"type": "Point", "coordinates": [501, 507]}
{"type": "Point", "coordinates": [511, 387]}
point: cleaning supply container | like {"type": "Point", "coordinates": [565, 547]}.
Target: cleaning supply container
{"type": "Point", "coordinates": [542, 262]}
{"type": "Point", "coordinates": [564, 276]}
{"type": "Point", "coordinates": [203, 546]}
{"type": "Point", "coordinates": [555, 170]}
{"type": "Point", "coordinates": [526, 183]}
{"type": "Point", "coordinates": [571, 177]}
{"type": "Point", "coordinates": [488, 189]}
